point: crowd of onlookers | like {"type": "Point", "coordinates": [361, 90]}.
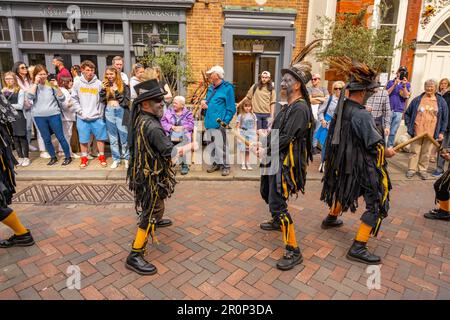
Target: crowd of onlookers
{"type": "Point", "coordinates": [77, 101]}
{"type": "Point", "coordinates": [97, 111]}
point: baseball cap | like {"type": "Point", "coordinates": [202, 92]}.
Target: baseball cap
{"type": "Point", "coordinates": [265, 74]}
{"type": "Point", "coordinates": [216, 69]}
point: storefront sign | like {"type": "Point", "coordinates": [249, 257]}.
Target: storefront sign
{"type": "Point", "coordinates": [151, 13]}
{"type": "Point", "coordinates": [51, 11]}
{"type": "Point", "coordinates": [259, 32]}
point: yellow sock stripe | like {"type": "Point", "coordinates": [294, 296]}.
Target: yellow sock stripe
{"type": "Point", "coordinates": [283, 228]}
{"type": "Point", "coordinates": [291, 155]}
{"type": "Point", "coordinates": [287, 229]}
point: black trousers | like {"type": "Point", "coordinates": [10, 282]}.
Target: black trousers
{"type": "Point", "coordinates": [158, 213]}
{"type": "Point", "coordinates": [370, 216]}
{"type": "Point", "coordinates": [5, 212]}
{"type": "Point", "coordinates": [270, 194]}
{"type": "Point", "coordinates": [22, 148]}
{"type": "Point", "coordinates": [441, 187]}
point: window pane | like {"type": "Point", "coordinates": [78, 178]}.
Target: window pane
{"type": "Point", "coordinates": [27, 35]}
{"type": "Point", "coordinates": [37, 24]}
{"type": "Point", "coordinates": [26, 24]}
{"type": "Point", "coordinates": [39, 36]}
{"type": "Point", "coordinates": [390, 11]}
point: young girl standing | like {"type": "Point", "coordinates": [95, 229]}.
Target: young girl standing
{"type": "Point", "coordinates": [116, 96]}
{"type": "Point", "coordinates": [15, 97]}
{"type": "Point", "coordinates": [246, 122]}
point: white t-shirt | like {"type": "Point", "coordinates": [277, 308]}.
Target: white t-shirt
{"type": "Point", "coordinates": [124, 78]}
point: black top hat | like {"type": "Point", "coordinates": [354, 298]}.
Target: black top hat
{"type": "Point", "coordinates": [149, 90]}
{"type": "Point", "coordinates": [300, 71]}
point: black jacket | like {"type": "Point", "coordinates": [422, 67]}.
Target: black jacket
{"type": "Point", "coordinates": [356, 166]}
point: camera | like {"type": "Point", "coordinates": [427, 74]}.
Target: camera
{"type": "Point", "coordinates": [403, 73]}
{"type": "Point", "coordinates": [51, 77]}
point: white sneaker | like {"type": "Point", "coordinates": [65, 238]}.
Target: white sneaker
{"type": "Point", "coordinates": [32, 148]}
{"type": "Point", "coordinates": [90, 157]}
{"type": "Point", "coordinates": [243, 167]}
{"type": "Point", "coordinates": [75, 155]}
{"type": "Point", "coordinates": [127, 164]}
{"type": "Point", "coordinates": [26, 162]}
{"type": "Point", "coordinates": [45, 155]}
{"type": "Point", "coordinates": [20, 161]}
{"type": "Point", "coordinates": [249, 167]}
{"type": "Point", "coordinates": [115, 164]}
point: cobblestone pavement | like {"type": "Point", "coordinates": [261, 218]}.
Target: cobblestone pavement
{"type": "Point", "coordinates": [215, 249]}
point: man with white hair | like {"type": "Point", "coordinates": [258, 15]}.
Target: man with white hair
{"type": "Point", "coordinates": [263, 97]}
{"type": "Point", "coordinates": [220, 103]}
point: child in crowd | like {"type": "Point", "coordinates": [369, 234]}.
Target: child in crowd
{"type": "Point", "coordinates": [246, 123]}
{"type": "Point", "coordinates": [178, 123]}
{"type": "Point", "coordinates": [15, 97]}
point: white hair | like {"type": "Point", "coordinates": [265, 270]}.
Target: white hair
{"type": "Point", "coordinates": [431, 82]}
{"type": "Point", "coordinates": [180, 99]}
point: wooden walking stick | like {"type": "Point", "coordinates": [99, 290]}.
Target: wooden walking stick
{"type": "Point", "coordinates": [422, 136]}
{"type": "Point", "coordinates": [404, 144]}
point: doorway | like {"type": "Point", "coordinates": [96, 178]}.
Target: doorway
{"type": "Point", "coordinates": [247, 68]}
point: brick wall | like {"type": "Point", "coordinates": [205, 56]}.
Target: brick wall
{"type": "Point", "coordinates": [411, 28]}
{"type": "Point", "coordinates": [204, 31]}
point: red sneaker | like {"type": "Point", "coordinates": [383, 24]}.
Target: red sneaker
{"type": "Point", "coordinates": [84, 162]}
{"type": "Point", "coordinates": [102, 160]}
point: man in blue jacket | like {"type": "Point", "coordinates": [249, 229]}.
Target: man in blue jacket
{"type": "Point", "coordinates": [220, 103]}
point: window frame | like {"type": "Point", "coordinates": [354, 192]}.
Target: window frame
{"type": "Point", "coordinates": [3, 31]}
{"type": "Point", "coordinates": [22, 29]}
{"type": "Point", "coordinates": [115, 33]}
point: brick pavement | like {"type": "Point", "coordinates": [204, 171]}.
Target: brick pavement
{"type": "Point", "coordinates": [215, 249]}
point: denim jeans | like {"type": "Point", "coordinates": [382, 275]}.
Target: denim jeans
{"type": "Point", "coordinates": [117, 133]}
{"type": "Point", "coordinates": [218, 143]}
{"type": "Point", "coordinates": [395, 124]}
{"type": "Point", "coordinates": [46, 125]}
{"type": "Point", "coordinates": [262, 120]}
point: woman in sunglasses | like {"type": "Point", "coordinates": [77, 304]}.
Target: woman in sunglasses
{"type": "Point", "coordinates": [324, 115]}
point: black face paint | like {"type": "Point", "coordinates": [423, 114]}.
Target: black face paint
{"type": "Point", "coordinates": [287, 83]}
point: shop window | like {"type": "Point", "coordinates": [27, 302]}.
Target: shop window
{"type": "Point", "coordinates": [88, 32]}
{"type": "Point", "coordinates": [112, 33]}
{"type": "Point", "coordinates": [140, 31]}
{"type": "Point", "coordinates": [442, 35]}
{"type": "Point", "coordinates": [169, 33]}
{"type": "Point", "coordinates": [4, 30]}
{"type": "Point", "coordinates": [6, 62]}
{"type": "Point", "coordinates": [56, 28]}
{"type": "Point", "coordinates": [36, 58]}
{"type": "Point", "coordinates": [32, 30]}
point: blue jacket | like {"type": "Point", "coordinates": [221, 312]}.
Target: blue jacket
{"type": "Point", "coordinates": [220, 105]}
{"type": "Point", "coordinates": [442, 115]}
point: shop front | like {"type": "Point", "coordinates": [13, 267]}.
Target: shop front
{"type": "Point", "coordinates": [38, 31]}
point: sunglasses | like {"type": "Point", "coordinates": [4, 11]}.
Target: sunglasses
{"type": "Point", "coordinates": [23, 67]}
{"type": "Point", "coordinates": [337, 89]}
{"type": "Point", "coordinates": [314, 79]}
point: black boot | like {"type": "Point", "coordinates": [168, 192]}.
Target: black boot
{"type": "Point", "coordinates": [437, 214]}
{"type": "Point", "coordinates": [331, 222]}
{"type": "Point", "coordinates": [273, 224]}
{"type": "Point", "coordinates": [52, 161]}
{"type": "Point", "coordinates": [24, 240]}
{"type": "Point", "coordinates": [358, 252]}
{"type": "Point", "coordinates": [137, 263]}
{"type": "Point", "coordinates": [163, 223]}
{"type": "Point", "coordinates": [291, 258]}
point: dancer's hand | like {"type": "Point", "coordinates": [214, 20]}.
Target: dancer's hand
{"type": "Point", "coordinates": [389, 153]}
